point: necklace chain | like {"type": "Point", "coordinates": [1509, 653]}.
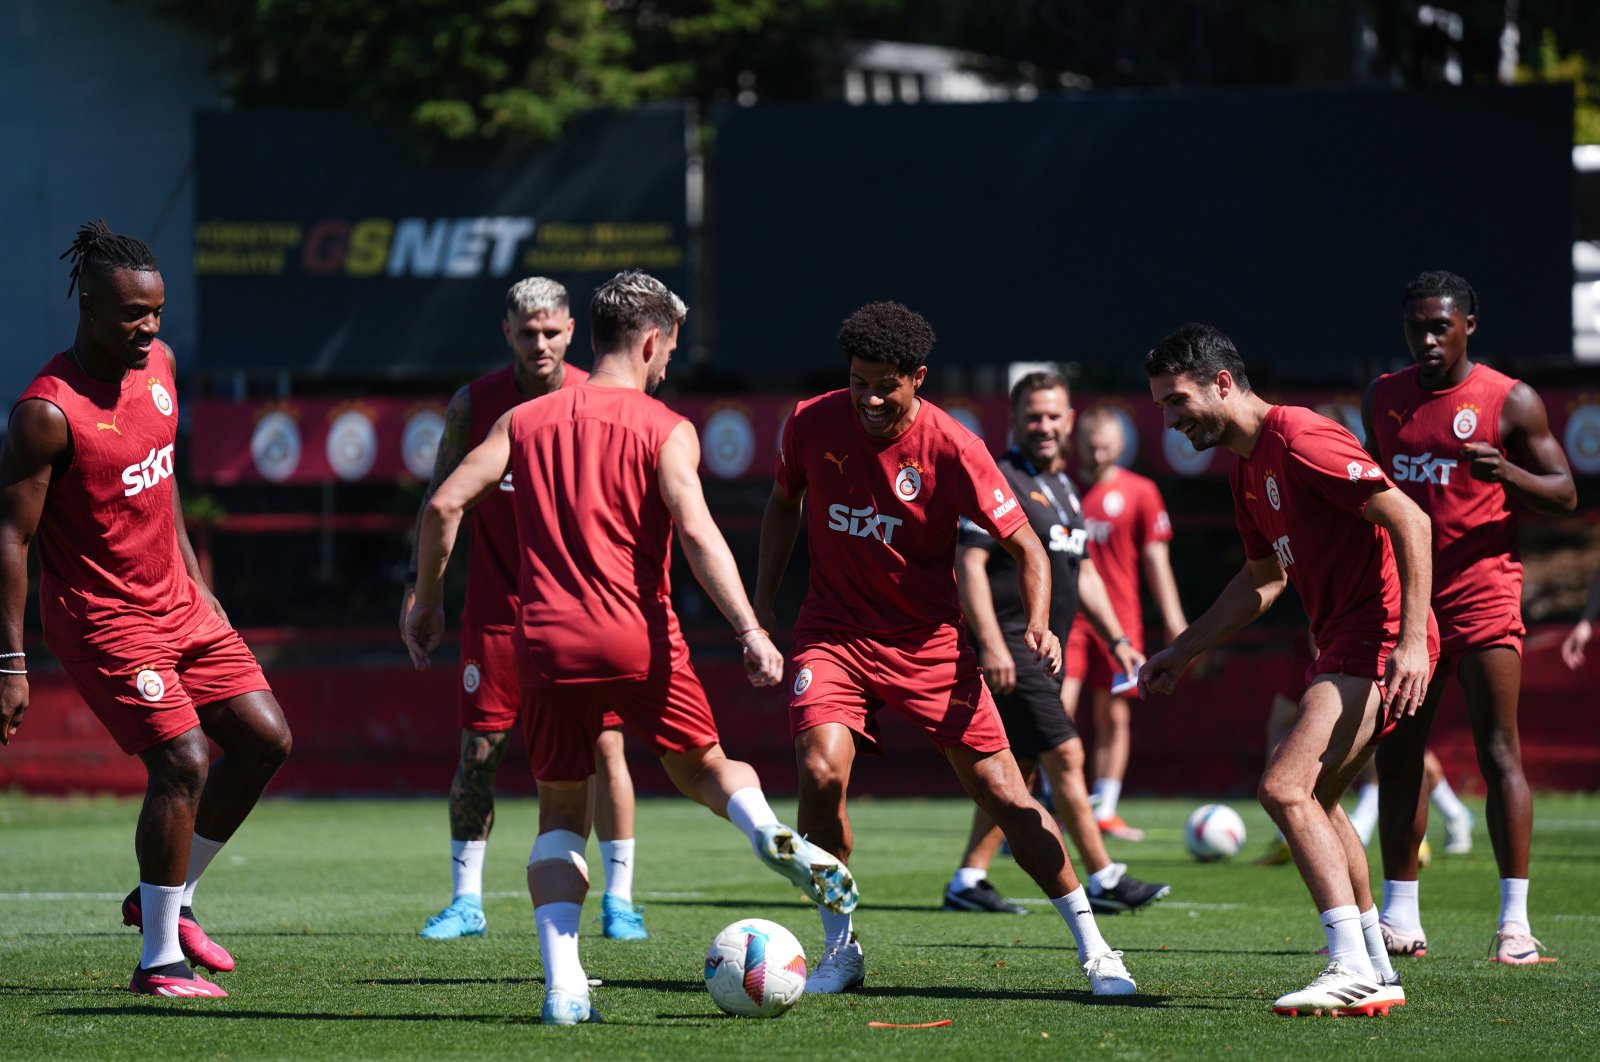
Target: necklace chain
{"type": "Point", "coordinates": [614, 376]}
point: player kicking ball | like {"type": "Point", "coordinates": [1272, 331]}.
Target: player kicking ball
{"type": "Point", "coordinates": [1312, 509]}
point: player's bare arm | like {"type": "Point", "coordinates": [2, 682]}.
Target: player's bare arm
{"type": "Point", "coordinates": [1411, 535]}
{"type": "Point", "coordinates": [1095, 604]}
{"type": "Point", "coordinates": [1534, 469]}
{"type": "Point", "coordinates": [708, 554]}
{"type": "Point", "coordinates": [780, 527]}
{"type": "Point", "coordinates": [37, 444]}
{"type": "Point", "coordinates": [1247, 595]}
{"type": "Point", "coordinates": [1572, 647]}
{"type": "Point", "coordinates": [478, 473]}
{"type": "Point", "coordinates": [1156, 558]}
{"type": "Point", "coordinates": [1033, 583]}
{"type": "Point", "coordinates": [977, 604]}
{"type": "Point", "coordinates": [452, 448]}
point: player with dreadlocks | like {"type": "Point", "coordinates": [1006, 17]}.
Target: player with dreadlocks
{"type": "Point", "coordinates": [87, 470]}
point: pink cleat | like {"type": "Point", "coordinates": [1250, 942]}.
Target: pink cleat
{"type": "Point", "coordinates": [169, 982]}
{"type": "Point", "coordinates": [197, 947]}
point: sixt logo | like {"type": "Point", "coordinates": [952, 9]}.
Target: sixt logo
{"type": "Point", "coordinates": [1423, 469]}
{"type": "Point", "coordinates": [414, 247]}
{"type": "Point", "coordinates": [863, 523]}
{"type": "Point", "coordinates": [156, 467]}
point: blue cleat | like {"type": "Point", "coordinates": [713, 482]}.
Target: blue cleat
{"type": "Point", "coordinates": [818, 873]}
{"type": "Point", "coordinates": [463, 918]}
{"type": "Point", "coordinates": [621, 920]}
{"type": "Point", "coordinates": [563, 1008]}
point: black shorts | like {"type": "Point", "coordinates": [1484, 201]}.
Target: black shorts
{"type": "Point", "coordinates": [1034, 719]}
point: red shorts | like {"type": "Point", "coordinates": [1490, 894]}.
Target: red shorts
{"type": "Point", "coordinates": [936, 683]}
{"type": "Point", "coordinates": [561, 723]}
{"type": "Point", "coordinates": [490, 696]}
{"type": "Point", "coordinates": [1087, 658]}
{"type": "Point", "coordinates": [1460, 635]}
{"type": "Point", "coordinates": [149, 693]}
{"type": "Point", "coordinates": [1368, 657]}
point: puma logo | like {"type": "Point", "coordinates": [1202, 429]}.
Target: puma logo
{"type": "Point", "coordinates": [1398, 415]}
{"type": "Point", "coordinates": [1249, 497]}
{"type": "Point", "coordinates": [109, 427]}
{"type": "Point", "coordinates": [963, 702]}
{"type": "Point", "coordinates": [1040, 498]}
{"type": "Point", "coordinates": [838, 462]}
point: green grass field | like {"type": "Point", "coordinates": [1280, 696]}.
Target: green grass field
{"type": "Point", "coordinates": [320, 903]}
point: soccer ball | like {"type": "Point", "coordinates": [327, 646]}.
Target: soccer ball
{"type": "Point", "coordinates": [1214, 831]}
{"type": "Point", "coordinates": [755, 969]}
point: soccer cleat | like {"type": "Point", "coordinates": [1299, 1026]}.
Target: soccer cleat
{"type": "Point", "coordinates": [1107, 975]}
{"type": "Point", "coordinates": [564, 1008]}
{"type": "Point", "coordinates": [621, 920]}
{"type": "Point", "coordinates": [1277, 855]}
{"type": "Point", "coordinates": [980, 897]}
{"type": "Point", "coordinates": [1128, 894]}
{"type": "Point", "coordinates": [175, 980]}
{"type": "Point", "coordinates": [1392, 988]}
{"type": "Point", "coordinates": [198, 948]}
{"type": "Point", "coordinates": [817, 873]}
{"type": "Point", "coordinates": [1115, 827]}
{"type": "Point", "coordinates": [1424, 854]}
{"type": "Point", "coordinates": [1336, 993]}
{"type": "Point", "coordinates": [463, 917]}
{"type": "Point", "coordinates": [1514, 945]}
{"type": "Point", "coordinates": [841, 968]}
{"type": "Point", "coordinates": [1403, 942]}
{"type": "Point", "coordinates": [1458, 833]}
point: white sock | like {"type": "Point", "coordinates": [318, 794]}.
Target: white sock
{"type": "Point", "coordinates": [748, 809]}
{"type": "Point", "coordinates": [1514, 901]}
{"type": "Point", "coordinates": [1365, 817]}
{"type": "Point", "coordinates": [1074, 908]}
{"type": "Point", "coordinates": [1347, 945]}
{"type": "Point", "coordinates": [1107, 877]}
{"type": "Point", "coordinates": [835, 928]}
{"type": "Point", "coordinates": [466, 866]}
{"type": "Point", "coordinates": [618, 857]}
{"type": "Point", "coordinates": [201, 851]}
{"type": "Point", "coordinates": [1377, 950]}
{"type": "Point", "coordinates": [1108, 790]}
{"type": "Point", "coordinates": [158, 911]}
{"type": "Point", "coordinates": [966, 877]}
{"type": "Point", "coordinates": [1400, 906]}
{"type": "Point", "coordinates": [558, 946]}
{"type": "Point", "coordinates": [1448, 803]}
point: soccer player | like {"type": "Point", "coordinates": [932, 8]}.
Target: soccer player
{"type": "Point", "coordinates": [881, 478]}
{"type": "Point", "coordinates": [1028, 696]}
{"type": "Point", "coordinates": [87, 470]}
{"type": "Point", "coordinates": [538, 327]}
{"type": "Point", "coordinates": [604, 474]}
{"type": "Point", "coordinates": [1312, 509]}
{"type": "Point", "coordinates": [1129, 531]}
{"type": "Point", "coordinates": [1572, 646]}
{"type": "Point", "coordinates": [1463, 441]}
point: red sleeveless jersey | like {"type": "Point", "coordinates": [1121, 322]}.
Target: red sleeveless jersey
{"type": "Point", "coordinates": [595, 537]}
{"type": "Point", "coordinates": [492, 563]}
{"type": "Point", "coordinates": [110, 570]}
{"type": "Point", "coordinates": [1419, 436]}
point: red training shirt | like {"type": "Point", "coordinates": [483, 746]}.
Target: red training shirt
{"type": "Point", "coordinates": [1122, 513]}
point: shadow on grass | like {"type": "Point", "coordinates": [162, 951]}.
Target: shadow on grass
{"type": "Point", "coordinates": [187, 1009]}
{"type": "Point", "coordinates": [1067, 947]}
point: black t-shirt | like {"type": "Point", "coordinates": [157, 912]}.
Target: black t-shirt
{"type": "Point", "coordinates": [1050, 500]}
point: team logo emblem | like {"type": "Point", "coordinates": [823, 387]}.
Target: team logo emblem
{"type": "Point", "coordinates": [471, 677]}
{"type": "Point", "coordinates": [275, 446]}
{"type": "Point", "coordinates": [802, 681]}
{"type": "Point", "coordinates": [1274, 499]}
{"type": "Point", "coordinates": [160, 397]}
{"type": "Point", "coordinates": [729, 443]}
{"type": "Point", "coordinates": [150, 685]}
{"type": "Point", "coordinates": [1583, 439]}
{"type": "Point", "coordinates": [1354, 469]}
{"type": "Point", "coordinates": [908, 482]}
{"type": "Point", "coordinates": [1465, 422]}
{"type": "Point", "coordinates": [352, 444]}
{"type": "Point", "coordinates": [1113, 503]}
{"type": "Point", "coordinates": [419, 443]}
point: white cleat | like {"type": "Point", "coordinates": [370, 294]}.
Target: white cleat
{"type": "Point", "coordinates": [1107, 975]}
{"type": "Point", "coordinates": [1458, 833]}
{"type": "Point", "coordinates": [818, 873]}
{"type": "Point", "coordinates": [1336, 993]}
{"type": "Point", "coordinates": [841, 968]}
{"type": "Point", "coordinates": [565, 1008]}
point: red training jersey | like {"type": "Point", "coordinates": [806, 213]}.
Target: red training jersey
{"type": "Point", "coordinates": [1122, 513]}
{"type": "Point", "coordinates": [882, 515]}
{"type": "Point", "coordinates": [1299, 496]}
{"type": "Point", "coordinates": [595, 537]}
{"type": "Point", "coordinates": [492, 564]}
{"type": "Point", "coordinates": [1419, 436]}
{"type": "Point", "coordinates": [110, 570]}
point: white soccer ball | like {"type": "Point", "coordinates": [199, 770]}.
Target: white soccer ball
{"type": "Point", "coordinates": [1214, 831]}
{"type": "Point", "coordinates": [755, 969]}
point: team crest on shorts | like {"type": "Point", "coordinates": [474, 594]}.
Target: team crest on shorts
{"type": "Point", "coordinates": [471, 677]}
{"type": "Point", "coordinates": [1274, 499]}
{"type": "Point", "coordinates": [159, 395]}
{"type": "Point", "coordinates": [802, 681]}
{"type": "Point", "coordinates": [908, 481]}
{"type": "Point", "coordinates": [1465, 422]}
{"type": "Point", "coordinates": [150, 685]}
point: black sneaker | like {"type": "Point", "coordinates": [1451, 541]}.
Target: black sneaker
{"type": "Point", "coordinates": [1129, 894]}
{"type": "Point", "coordinates": [980, 897]}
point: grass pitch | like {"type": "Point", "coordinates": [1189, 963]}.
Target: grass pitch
{"type": "Point", "coordinates": [320, 903]}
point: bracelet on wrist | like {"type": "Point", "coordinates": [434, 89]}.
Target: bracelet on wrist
{"type": "Point", "coordinates": [12, 671]}
{"type": "Point", "coordinates": [11, 656]}
{"type": "Point", "coordinates": [747, 632]}
{"type": "Point", "coordinates": [1121, 640]}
